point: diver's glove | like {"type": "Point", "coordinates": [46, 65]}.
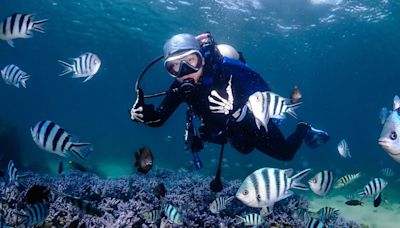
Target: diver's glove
{"type": "Point", "coordinates": [142, 112]}
{"type": "Point", "coordinates": [218, 104]}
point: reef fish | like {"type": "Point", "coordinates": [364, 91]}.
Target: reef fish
{"type": "Point", "coordinates": [13, 75]}
{"type": "Point", "coordinates": [387, 172]}
{"type": "Point", "coordinates": [19, 25]}
{"type": "Point", "coordinates": [295, 95]}
{"type": "Point", "coordinates": [343, 149]}
{"type": "Point", "coordinates": [51, 137]}
{"type": "Point", "coordinates": [151, 216]}
{"type": "Point", "coordinates": [84, 66]}
{"type": "Point", "coordinates": [219, 204]}
{"type": "Point", "coordinates": [144, 160]}
{"type": "Point", "coordinates": [322, 182]}
{"type": "Point", "coordinates": [172, 214]}
{"type": "Point", "coordinates": [266, 186]}
{"type": "Point", "coordinates": [159, 190]}
{"type": "Point", "coordinates": [268, 105]}
{"type": "Point", "coordinates": [250, 220]}
{"type": "Point", "coordinates": [13, 176]}
{"type": "Point", "coordinates": [315, 223]}
{"type": "Point", "coordinates": [77, 166]}
{"type": "Point", "coordinates": [327, 213]}
{"type": "Point", "coordinates": [34, 215]}
{"type": "Point", "coordinates": [354, 203]}
{"type": "Point", "coordinates": [374, 187]}
{"type": "Point", "coordinates": [346, 180]}
{"type": "Point", "coordinates": [389, 139]}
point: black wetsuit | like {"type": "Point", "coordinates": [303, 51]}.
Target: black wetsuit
{"type": "Point", "coordinates": [219, 128]}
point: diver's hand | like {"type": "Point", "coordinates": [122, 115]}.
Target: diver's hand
{"type": "Point", "coordinates": [218, 104]}
{"type": "Point", "coordinates": [137, 108]}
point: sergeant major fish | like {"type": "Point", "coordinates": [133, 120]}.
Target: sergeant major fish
{"type": "Point", "coordinates": [34, 215]}
{"type": "Point", "coordinates": [250, 220]}
{"type": "Point", "coordinates": [389, 139]}
{"type": "Point", "coordinates": [266, 186]}
{"type": "Point", "coordinates": [19, 26]}
{"type": "Point", "coordinates": [51, 137]}
{"type": "Point", "coordinates": [322, 182]}
{"type": "Point", "coordinates": [374, 187]}
{"type": "Point", "coordinates": [387, 172]}
{"type": "Point", "coordinates": [84, 66]}
{"type": "Point", "coordinates": [267, 105]}
{"type": "Point", "coordinates": [343, 149]}
{"type": "Point", "coordinates": [219, 204]}
{"type": "Point", "coordinates": [347, 179]}
{"type": "Point", "coordinates": [172, 214]}
{"type": "Point", "coordinates": [13, 75]}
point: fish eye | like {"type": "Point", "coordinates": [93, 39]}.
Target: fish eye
{"type": "Point", "coordinates": [393, 135]}
{"type": "Point", "coordinates": [245, 192]}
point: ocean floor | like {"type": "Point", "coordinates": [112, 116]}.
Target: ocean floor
{"type": "Point", "coordinates": [123, 201]}
{"type": "Point", "coordinates": [385, 216]}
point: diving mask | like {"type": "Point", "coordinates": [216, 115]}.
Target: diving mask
{"type": "Point", "coordinates": [183, 64]}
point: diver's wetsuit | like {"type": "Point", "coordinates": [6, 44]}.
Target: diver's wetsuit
{"type": "Point", "coordinates": [218, 128]}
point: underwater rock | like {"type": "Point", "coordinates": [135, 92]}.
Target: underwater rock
{"type": "Point", "coordinates": [159, 190]}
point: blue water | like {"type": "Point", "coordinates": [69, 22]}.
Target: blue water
{"type": "Point", "coordinates": [344, 57]}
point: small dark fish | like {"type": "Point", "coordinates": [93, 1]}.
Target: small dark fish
{"type": "Point", "coordinates": [60, 167]}
{"type": "Point", "coordinates": [295, 95]}
{"type": "Point", "coordinates": [37, 194]}
{"type": "Point", "coordinates": [77, 166]}
{"type": "Point", "coordinates": [355, 203]}
{"type": "Point", "coordinates": [87, 207]}
{"type": "Point", "coordinates": [144, 160]}
{"type": "Point", "coordinates": [159, 190]}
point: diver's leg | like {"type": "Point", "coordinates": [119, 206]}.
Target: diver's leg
{"type": "Point", "coordinates": [274, 143]}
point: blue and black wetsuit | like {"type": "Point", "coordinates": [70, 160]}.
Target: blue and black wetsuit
{"type": "Point", "coordinates": [218, 128]}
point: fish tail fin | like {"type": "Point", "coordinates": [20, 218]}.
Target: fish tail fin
{"type": "Point", "coordinates": [295, 180]}
{"type": "Point", "coordinates": [291, 109]}
{"type": "Point", "coordinates": [24, 79]}
{"type": "Point", "coordinates": [11, 43]}
{"type": "Point", "coordinates": [378, 200]}
{"type": "Point", "coordinates": [37, 25]}
{"type": "Point", "coordinates": [82, 150]}
{"type": "Point", "coordinates": [24, 219]}
{"type": "Point", "coordinates": [68, 68]}
{"type": "Point", "coordinates": [88, 78]}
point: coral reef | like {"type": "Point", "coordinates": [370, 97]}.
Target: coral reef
{"type": "Point", "coordinates": [125, 199]}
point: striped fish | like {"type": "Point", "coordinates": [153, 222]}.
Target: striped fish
{"type": "Point", "coordinates": [34, 215]}
{"type": "Point", "coordinates": [172, 214]}
{"type": "Point", "coordinates": [315, 223]}
{"type": "Point", "coordinates": [343, 149]}
{"type": "Point", "coordinates": [250, 220]}
{"type": "Point", "coordinates": [219, 204]}
{"type": "Point", "coordinates": [84, 66]}
{"type": "Point", "coordinates": [87, 207]}
{"type": "Point", "coordinates": [387, 172]}
{"type": "Point", "coordinates": [322, 182]}
{"type": "Point", "coordinates": [346, 180]}
{"type": "Point", "coordinates": [266, 186]}
{"type": "Point", "coordinates": [267, 105]}
{"type": "Point", "coordinates": [13, 75]}
{"type": "Point", "coordinates": [54, 139]}
{"type": "Point", "coordinates": [13, 176]}
{"type": "Point", "coordinates": [327, 213]}
{"type": "Point", "coordinates": [374, 187]}
{"type": "Point", "coordinates": [19, 26]}
{"type": "Point", "coordinates": [151, 216]}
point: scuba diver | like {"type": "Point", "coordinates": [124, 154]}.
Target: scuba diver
{"type": "Point", "coordinates": [216, 83]}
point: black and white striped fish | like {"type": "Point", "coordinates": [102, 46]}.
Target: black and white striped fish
{"type": "Point", "coordinates": [219, 204]}
{"type": "Point", "coordinates": [250, 220]}
{"type": "Point", "coordinates": [322, 182]}
{"type": "Point", "coordinates": [87, 207]}
{"type": "Point", "coordinates": [13, 176]}
{"type": "Point", "coordinates": [19, 25]}
{"type": "Point", "coordinates": [374, 187]}
{"type": "Point", "coordinates": [346, 180]}
{"type": "Point", "coordinates": [266, 186]}
{"type": "Point", "coordinates": [315, 223]}
{"type": "Point", "coordinates": [34, 215]}
{"type": "Point", "coordinates": [327, 213]}
{"type": "Point", "coordinates": [172, 214]}
{"type": "Point", "coordinates": [151, 216]}
{"type": "Point", "coordinates": [267, 105]}
{"type": "Point", "coordinates": [54, 139]}
{"type": "Point", "coordinates": [387, 172]}
{"type": "Point", "coordinates": [84, 66]}
{"type": "Point", "coordinates": [13, 75]}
